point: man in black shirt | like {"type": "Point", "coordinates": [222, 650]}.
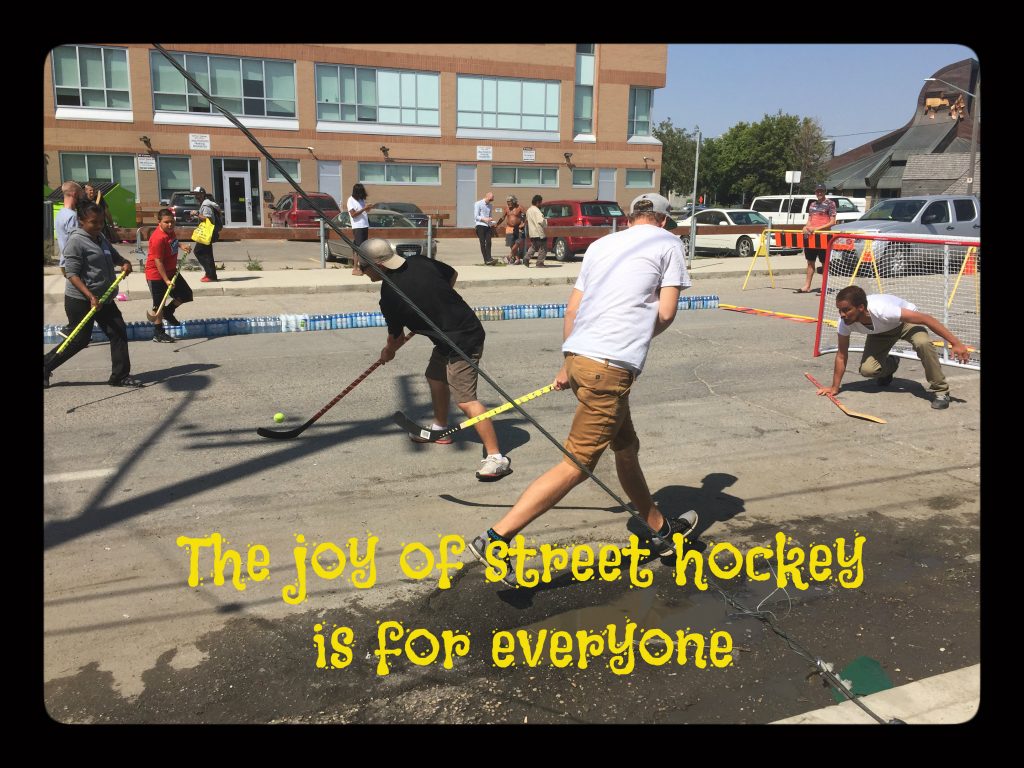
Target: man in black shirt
{"type": "Point", "coordinates": [430, 285]}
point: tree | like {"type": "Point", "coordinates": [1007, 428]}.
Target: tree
{"type": "Point", "coordinates": [811, 152]}
{"type": "Point", "coordinates": [678, 149]}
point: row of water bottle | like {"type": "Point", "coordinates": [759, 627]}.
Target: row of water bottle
{"type": "Point", "coordinates": [698, 302]}
{"type": "Point", "coordinates": [290, 323]}
{"type": "Point", "coordinates": [520, 311]}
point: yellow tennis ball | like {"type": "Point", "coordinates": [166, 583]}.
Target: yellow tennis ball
{"type": "Point", "coordinates": [278, 417]}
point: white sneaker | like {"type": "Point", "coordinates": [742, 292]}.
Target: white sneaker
{"type": "Point", "coordinates": [494, 468]}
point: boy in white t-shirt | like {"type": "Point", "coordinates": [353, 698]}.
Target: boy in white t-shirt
{"type": "Point", "coordinates": [886, 319]}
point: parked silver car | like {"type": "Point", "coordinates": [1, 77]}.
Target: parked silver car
{"type": "Point", "coordinates": [381, 218]}
{"type": "Point", "coordinates": [942, 215]}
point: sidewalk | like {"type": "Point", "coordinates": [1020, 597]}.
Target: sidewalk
{"type": "Point", "coordinates": [292, 267]}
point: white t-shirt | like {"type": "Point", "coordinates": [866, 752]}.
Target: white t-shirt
{"type": "Point", "coordinates": [360, 221]}
{"type": "Point", "coordinates": [64, 224]}
{"type": "Point", "coordinates": [620, 278]}
{"type": "Point", "coordinates": [885, 315]}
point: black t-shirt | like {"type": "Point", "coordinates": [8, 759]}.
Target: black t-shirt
{"type": "Point", "coordinates": [428, 284]}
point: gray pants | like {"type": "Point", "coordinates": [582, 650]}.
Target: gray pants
{"type": "Point", "coordinates": [876, 363]}
{"type": "Point", "coordinates": [538, 246]}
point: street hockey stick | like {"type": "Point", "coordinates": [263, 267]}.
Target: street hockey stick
{"type": "Point", "coordinates": [433, 435]}
{"type": "Point", "coordinates": [92, 312]}
{"type": "Point", "coordinates": [158, 316]}
{"type": "Point", "coordinates": [844, 409]}
{"type": "Point", "coordinates": [288, 434]}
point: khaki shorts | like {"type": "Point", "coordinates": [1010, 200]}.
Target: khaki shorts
{"type": "Point", "coordinates": [602, 416]}
{"type": "Point", "coordinates": [460, 376]}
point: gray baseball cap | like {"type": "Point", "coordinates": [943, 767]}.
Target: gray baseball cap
{"type": "Point", "coordinates": [380, 252]}
{"type": "Point", "coordinates": [649, 202]}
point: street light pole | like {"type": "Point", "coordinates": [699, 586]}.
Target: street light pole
{"type": "Point", "coordinates": [975, 119]}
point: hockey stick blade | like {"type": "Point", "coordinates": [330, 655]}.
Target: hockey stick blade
{"type": "Point", "coordinates": [844, 409]}
{"type": "Point", "coordinates": [282, 434]}
{"type": "Point", "coordinates": [433, 435]}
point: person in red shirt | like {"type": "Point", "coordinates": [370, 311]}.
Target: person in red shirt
{"type": "Point", "coordinates": [161, 264]}
{"type": "Point", "coordinates": [821, 214]}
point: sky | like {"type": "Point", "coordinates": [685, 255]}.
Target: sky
{"type": "Point", "coordinates": [852, 89]}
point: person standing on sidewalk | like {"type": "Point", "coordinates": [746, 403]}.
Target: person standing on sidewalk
{"type": "Point", "coordinates": [161, 264]}
{"type": "Point", "coordinates": [208, 211]}
{"type": "Point", "coordinates": [626, 294]}
{"type": "Point", "coordinates": [67, 219]}
{"type": "Point", "coordinates": [90, 262]}
{"type": "Point", "coordinates": [514, 232]}
{"type": "Point", "coordinates": [821, 214]}
{"type": "Point", "coordinates": [536, 230]}
{"type": "Point", "coordinates": [484, 222]}
{"type": "Point", "coordinates": [357, 209]}
{"type": "Point", "coordinates": [430, 284]}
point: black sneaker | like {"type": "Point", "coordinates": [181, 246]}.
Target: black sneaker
{"type": "Point", "coordinates": [661, 542]}
{"type": "Point", "coordinates": [169, 318]}
{"type": "Point", "coordinates": [941, 401]}
{"type": "Point", "coordinates": [478, 546]}
{"type": "Point", "coordinates": [46, 379]}
{"type": "Point", "coordinates": [162, 336]}
{"type": "Point", "coordinates": [885, 381]}
{"type": "Point", "coordinates": [127, 381]}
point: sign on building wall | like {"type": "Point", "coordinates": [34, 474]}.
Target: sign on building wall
{"type": "Point", "coordinates": [484, 153]}
{"type": "Point", "coordinates": [529, 154]}
{"type": "Point", "coordinates": [199, 141]}
{"type": "Point", "coordinates": [145, 162]}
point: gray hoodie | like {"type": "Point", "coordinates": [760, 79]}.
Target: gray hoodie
{"type": "Point", "coordinates": [92, 261]}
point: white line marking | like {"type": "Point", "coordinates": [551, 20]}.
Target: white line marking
{"type": "Point", "coordinates": [89, 474]}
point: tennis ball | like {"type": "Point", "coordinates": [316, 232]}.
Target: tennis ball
{"type": "Point", "coordinates": [278, 417]}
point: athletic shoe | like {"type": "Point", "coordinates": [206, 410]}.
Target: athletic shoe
{"type": "Point", "coordinates": [662, 543]}
{"type": "Point", "coordinates": [205, 279]}
{"type": "Point", "coordinates": [941, 401]}
{"type": "Point", "coordinates": [127, 381]}
{"type": "Point", "coordinates": [885, 381]}
{"type": "Point", "coordinates": [169, 317]}
{"type": "Point", "coordinates": [442, 441]}
{"type": "Point", "coordinates": [494, 468]}
{"type": "Point", "coordinates": [478, 547]}
{"type": "Point", "coordinates": [161, 335]}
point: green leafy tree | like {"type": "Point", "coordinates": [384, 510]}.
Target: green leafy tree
{"type": "Point", "coordinates": [678, 148]}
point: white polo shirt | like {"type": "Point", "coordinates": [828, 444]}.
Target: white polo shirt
{"type": "Point", "coordinates": [885, 315]}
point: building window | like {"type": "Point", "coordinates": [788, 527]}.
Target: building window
{"type": "Point", "coordinates": [252, 87]}
{"type": "Point", "coordinates": [87, 76]}
{"type": "Point", "coordinates": [640, 100]}
{"type": "Point", "coordinates": [399, 173]}
{"type": "Point", "coordinates": [523, 176]}
{"type": "Point", "coordinates": [506, 104]}
{"type": "Point", "coordinates": [175, 175]}
{"type": "Point", "coordinates": [583, 177]}
{"type": "Point", "coordinates": [88, 167]}
{"type": "Point", "coordinates": [639, 178]}
{"type": "Point", "coordinates": [390, 96]}
{"type": "Point", "coordinates": [291, 167]}
{"type": "Point", "coordinates": [583, 98]}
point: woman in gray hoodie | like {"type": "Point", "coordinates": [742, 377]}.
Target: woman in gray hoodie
{"type": "Point", "coordinates": [89, 265]}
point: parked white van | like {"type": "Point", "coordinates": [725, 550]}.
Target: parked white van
{"type": "Point", "coordinates": [783, 209]}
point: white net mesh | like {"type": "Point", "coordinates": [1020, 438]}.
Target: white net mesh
{"type": "Point", "coordinates": [942, 277]}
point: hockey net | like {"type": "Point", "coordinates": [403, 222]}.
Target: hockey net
{"type": "Point", "coordinates": [941, 276]}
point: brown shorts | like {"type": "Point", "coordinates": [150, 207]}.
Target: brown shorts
{"type": "Point", "coordinates": [460, 375]}
{"type": "Point", "coordinates": [602, 416]}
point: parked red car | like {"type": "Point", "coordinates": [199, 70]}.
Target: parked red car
{"type": "Point", "coordinates": [292, 210]}
{"type": "Point", "coordinates": [580, 213]}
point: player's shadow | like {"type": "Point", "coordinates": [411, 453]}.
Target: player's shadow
{"type": "Point", "coordinates": [908, 386]}
{"type": "Point", "coordinates": [709, 501]}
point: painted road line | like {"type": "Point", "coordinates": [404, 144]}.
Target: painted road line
{"type": "Point", "coordinates": [88, 474]}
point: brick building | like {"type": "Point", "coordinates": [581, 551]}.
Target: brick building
{"type": "Point", "coordinates": [434, 125]}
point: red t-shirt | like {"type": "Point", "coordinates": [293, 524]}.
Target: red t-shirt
{"type": "Point", "coordinates": [160, 248]}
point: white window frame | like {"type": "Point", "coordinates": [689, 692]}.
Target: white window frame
{"type": "Point", "coordinates": [135, 170]}
{"type": "Point", "coordinates": [109, 114]}
{"type": "Point", "coordinates": [159, 181]}
{"type": "Point", "coordinates": [631, 117]}
{"type": "Point", "coordinates": [410, 166]}
{"type": "Point", "coordinates": [518, 183]}
{"type": "Point", "coordinates": [639, 186]}
{"type": "Point", "coordinates": [376, 105]}
{"type": "Point", "coordinates": [281, 179]}
{"type": "Point", "coordinates": [484, 131]}
{"type": "Point", "coordinates": [189, 117]}
{"type": "Point", "coordinates": [592, 177]}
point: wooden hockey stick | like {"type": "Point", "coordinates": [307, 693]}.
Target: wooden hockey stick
{"type": "Point", "coordinates": [843, 408]}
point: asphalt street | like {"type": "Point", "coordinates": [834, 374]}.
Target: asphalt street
{"type": "Point", "coordinates": [729, 427]}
